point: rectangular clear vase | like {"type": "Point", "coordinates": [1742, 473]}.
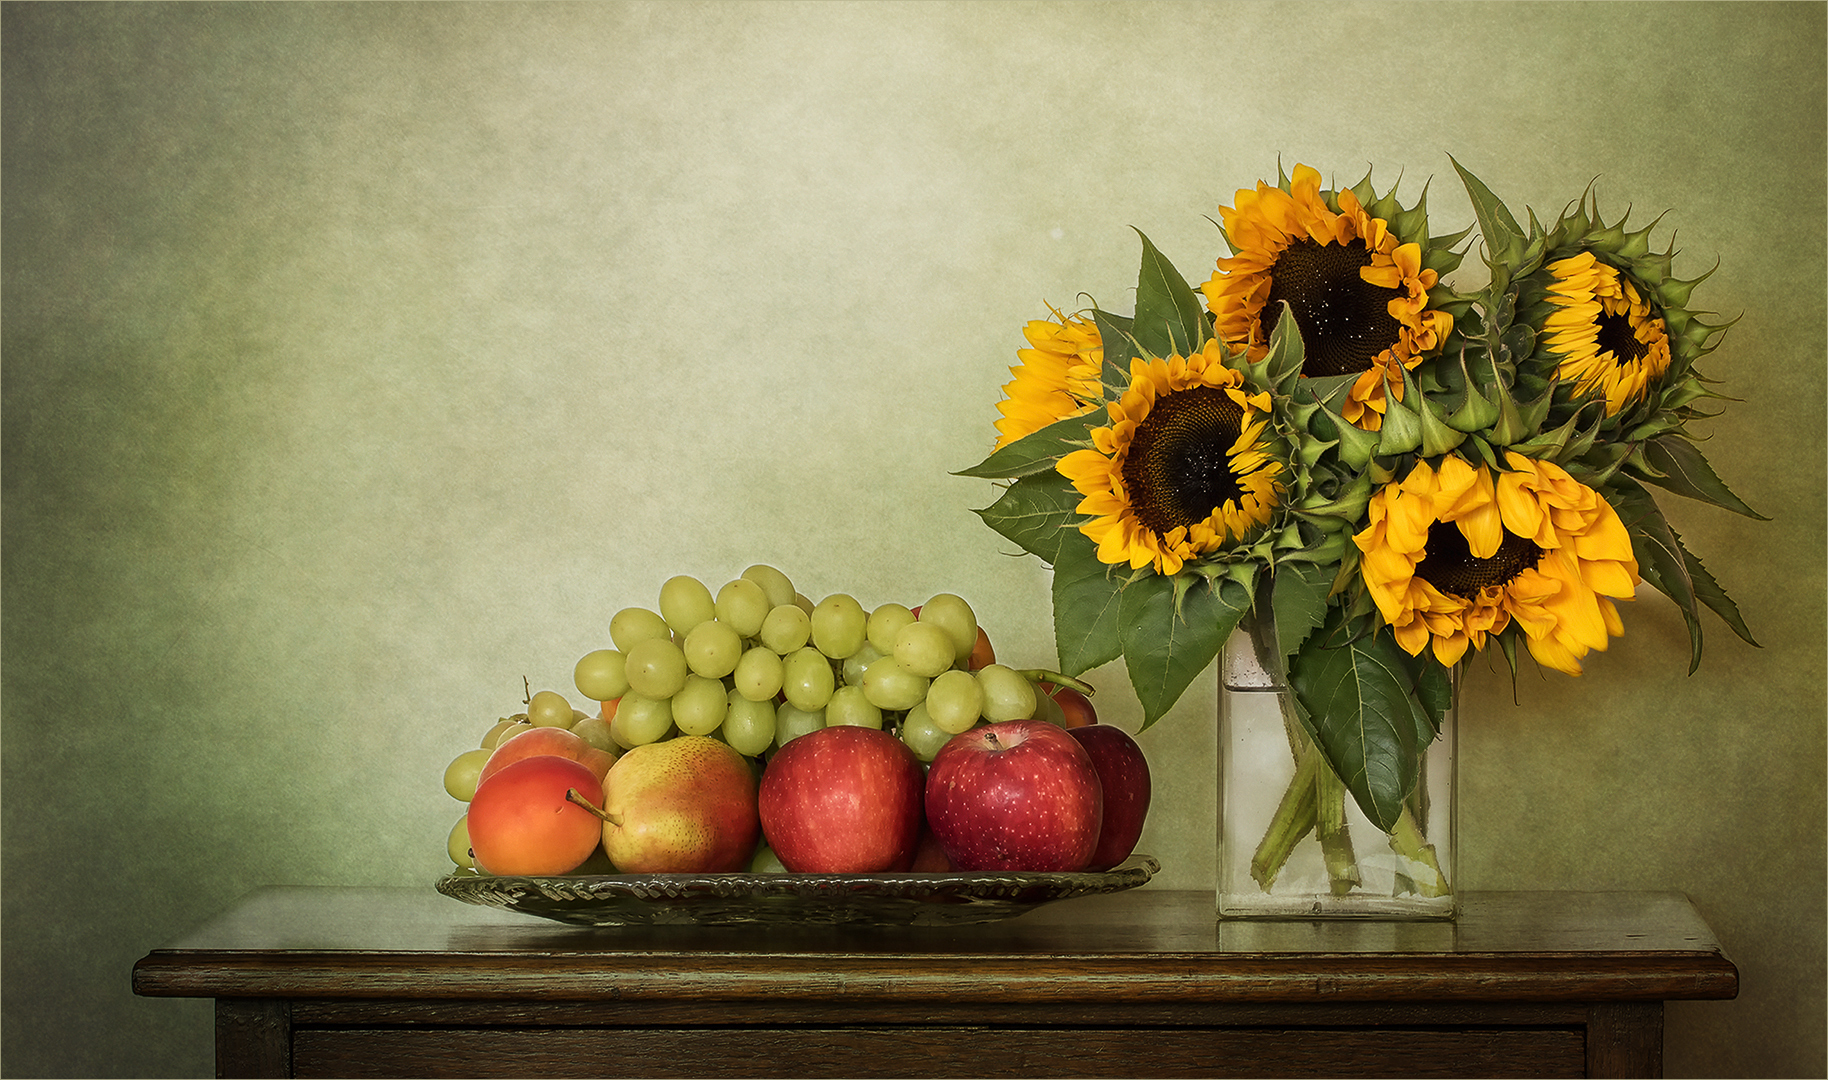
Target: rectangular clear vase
{"type": "Point", "coordinates": [1293, 843]}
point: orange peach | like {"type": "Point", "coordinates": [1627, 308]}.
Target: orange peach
{"type": "Point", "coordinates": [553, 741]}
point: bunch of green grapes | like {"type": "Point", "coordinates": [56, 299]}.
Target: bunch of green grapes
{"type": "Point", "coordinates": [757, 664]}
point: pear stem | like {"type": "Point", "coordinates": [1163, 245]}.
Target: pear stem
{"type": "Point", "coordinates": [571, 795]}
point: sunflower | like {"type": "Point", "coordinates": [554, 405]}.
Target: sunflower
{"type": "Point", "coordinates": [1358, 291]}
{"type": "Point", "coordinates": [1456, 554]}
{"type": "Point", "coordinates": [1609, 341]}
{"type": "Point", "coordinates": [1058, 376]}
{"type": "Point", "coordinates": [1185, 467]}
{"type": "Point", "coordinates": [1611, 323]}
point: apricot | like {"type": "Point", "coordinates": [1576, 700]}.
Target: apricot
{"type": "Point", "coordinates": [1075, 706]}
{"type": "Point", "coordinates": [522, 822]}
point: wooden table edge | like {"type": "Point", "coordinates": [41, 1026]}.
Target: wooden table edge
{"type": "Point", "coordinates": [1328, 977]}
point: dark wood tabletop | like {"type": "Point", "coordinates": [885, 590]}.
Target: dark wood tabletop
{"type": "Point", "coordinates": [346, 976]}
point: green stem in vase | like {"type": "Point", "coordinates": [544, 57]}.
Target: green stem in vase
{"type": "Point", "coordinates": [1330, 827]}
{"type": "Point", "coordinates": [1420, 869]}
{"type": "Point", "coordinates": [1295, 815]}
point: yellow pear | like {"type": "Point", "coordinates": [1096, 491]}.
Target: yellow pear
{"type": "Point", "coordinates": [683, 806]}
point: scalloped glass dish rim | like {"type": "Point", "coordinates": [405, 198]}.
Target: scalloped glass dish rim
{"type": "Point", "coordinates": [948, 897]}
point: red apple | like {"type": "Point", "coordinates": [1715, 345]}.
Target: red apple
{"type": "Point", "coordinates": [1022, 795]}
{"type": "Point", "coordinates": [842, 800]}
{"type": "Point", "coordinates": [1123, 773]}
{"type": "Point", "coordinates": [553, 742]}
{"type": "Point", "coordinates": [521, 821]}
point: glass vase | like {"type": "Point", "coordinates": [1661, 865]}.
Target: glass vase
{"type": "Point", "coordinates": [1293, 843]}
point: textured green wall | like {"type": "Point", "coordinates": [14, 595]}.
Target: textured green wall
{"type": "Point", "coordinates": [361, 360]}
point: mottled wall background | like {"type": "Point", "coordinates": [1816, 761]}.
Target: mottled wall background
{"type": "Point", "coordinates": [361, 360]}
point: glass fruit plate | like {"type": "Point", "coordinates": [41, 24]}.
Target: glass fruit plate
{"type": "Point", "coordinates": [932, 899]}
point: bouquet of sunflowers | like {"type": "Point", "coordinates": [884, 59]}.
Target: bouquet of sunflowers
{"type": "Point", "coordinates": [1370, 473]}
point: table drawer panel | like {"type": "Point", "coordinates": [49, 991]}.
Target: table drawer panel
{"type": "Point", "coordinates": [918, 1051]}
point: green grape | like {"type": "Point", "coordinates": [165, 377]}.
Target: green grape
{"type": "Point", "coordinates": [801, 601]}
{"type": "Point", "coordinates": [656, 668]}
{"type": "Point", "coordinates": [924, 648]}
{"type": "Point", "coordinates": [955, 701]}
{"type": "Point", "coordinates": [885, 622]}
{"type": "Point", "coordinates": [641, 720]}
{"type": "Point", "coordinates": [699, 707]}
{"type": "Point", "coordinates": [460, 775]}
{"type": "Point", "coordinates": [595, 731]}
{"type": "Point", "coordinates": [636, 624]}
{"type": "Point", "coordinates": [685, 602]}
{"type": "Point", "coordinates": [953, 615]}
{"type": "Point", "coordinates": [889, 686]}
{"type": "Point", "coordinates": [773, 582]}
{"type": "Point", "coordinates": [766, 862]}
{"type": "Point", "coordinates": [759, 674]}
{"type": "Point", "coordinates": [922, 735]}
{"type": "Point", "coordinates": [838, 625]}
{"type": "Point", "coordinates": [458, 845]}
{"type": "Point", "coordinates": [848, 706]}
{"type": "Point", "coordinates": [742, 605]}
{"type": "Point", "coordinates": [712, 649]}
{"type": "Point", "coordinates": [749, 725]}
{"type": "Point", "coordinates": [602, 675]}
{"type": "Point", "coordinates": [791, 723]}
{"type": "Point", "coordinates": [787, 628]}
{"type": "Point", "coordinates": [807, 679]}
{"type": "Point", "coordinates": [548, 708]}
{"type": "Point", "coordinates": [1046, 708]}
{"type": "Point", "coordinates": [1008, 695]}
{"type": "Point", "coordinates": [858, 662]}
{"type": "Point", "coordinates": [504, 729]}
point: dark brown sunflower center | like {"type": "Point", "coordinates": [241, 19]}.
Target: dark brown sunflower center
{"type": "Point", "coordinates": [1448, 563]}
{"type": "Point", "coordinates": [1345, 322]}
{"type": "Point", "coordinates": [1178, 470]}
{"type": "Point", "coordinates": [1616, 337]}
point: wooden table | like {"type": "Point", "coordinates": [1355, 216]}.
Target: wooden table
{"type": "Point", "coordinates": [406, 982]}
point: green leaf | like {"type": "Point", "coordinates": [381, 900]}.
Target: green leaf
{"type": "Point", "coordinates": [1035, 512]}
{"type": "Point", "coordinates": [1119, 350]}
{"type": "Point", "coordinates": [1660, 557]}
{"type": "Point", "coordinates": [1169, 319]}
{"type": "Point", "coordinates": [1684, 471]}
{"type": "Point", "coordinates": [1298, 597]}
{"type": "Point", "coordinates": [1671, 569]}
{"type": "Point", "coordinates": [1715, 597]}
{"type": "Point", "coordinates": [1086, 605]}
{"type": "Point", "coordinates": [1171, 629]}
{"type": "Point", "coordinates": [1358, 693]}
{"type": "Point", "coordinates": [1037, 452]}
{"type": "Point", "coordinates": [1435, 691]}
